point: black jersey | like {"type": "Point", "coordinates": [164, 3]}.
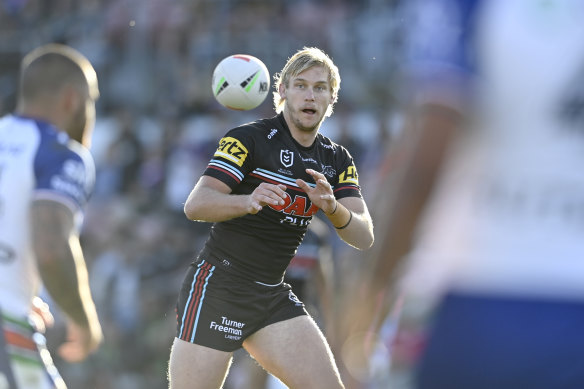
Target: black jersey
{"type": "Point", "coordinates": [260, 246]}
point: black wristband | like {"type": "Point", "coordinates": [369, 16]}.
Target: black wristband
{"type": "Point", "coordinates": [334, 210]}
{"type": "Point", "coordinates": [349, 221]}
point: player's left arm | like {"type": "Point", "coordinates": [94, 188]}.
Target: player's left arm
{"type": "Point", "coordinates": [64, 182]}
{"type": "Point", "coordinates": [349, 215]}
{"type": "Point", "coordinates": [64, 273]}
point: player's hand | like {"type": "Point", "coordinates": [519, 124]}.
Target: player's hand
{"type": "Point", "coordinates": [41, 315]}
{"type": "Point", "coordinates": [322, 195]}
{"type": "Point", "coordinates": [266, 194]}
{"type": "Point", "coordinates": [81, 341]}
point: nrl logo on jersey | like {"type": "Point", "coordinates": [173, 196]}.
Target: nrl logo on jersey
{"type": "Point", "coordinates": [287, 158]}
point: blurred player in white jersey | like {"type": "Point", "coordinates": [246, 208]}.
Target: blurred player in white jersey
{"type": "Point", "coordinates": [46, 176]}
{"type": "Point", "coordinates": [491, 195]}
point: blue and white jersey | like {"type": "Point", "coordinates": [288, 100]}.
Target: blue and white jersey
{"type": "Point", "coordinates": [36, 162]}
{"type": "Point", "coordinates": [508, 214]}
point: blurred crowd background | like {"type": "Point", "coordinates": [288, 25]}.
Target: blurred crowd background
{"type": "Point", "coordinates": [158, 126]}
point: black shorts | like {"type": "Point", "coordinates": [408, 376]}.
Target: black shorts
{"type": "Point", "coordinates": [217, 309]}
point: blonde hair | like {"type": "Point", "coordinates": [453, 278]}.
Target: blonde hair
{"type": "Point", "coordinates": [305, 59]}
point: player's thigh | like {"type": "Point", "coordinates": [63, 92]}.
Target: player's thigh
{"type": "Point", "coordinates": [197, 367]}
{"type": "Point", "coordinates": [296, 352]}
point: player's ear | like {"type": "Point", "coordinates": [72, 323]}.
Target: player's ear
{"type": "Point", "coordinates": [71, 98]}
{"type": "Point", "coordinates": [282, 91]}
{"type": "Point", "coordinates": [334, 98]}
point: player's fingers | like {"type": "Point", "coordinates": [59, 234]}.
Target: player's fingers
{"type": "Point", "coordinates": [41, 308]}
{"type": "Point", "coordinates": [282, 190]}
{"type": "Point", "coordinates": [275, 199]}
{"type": "Point", "coordinates": [269, 197]}
{"type": "Point", "coordinates": [316, 175]}
{"type": "Point", "coordinates": [279, 189]}
{"type": "Point", "coordinates": [302, 184]}
{"type": "Point", "coordinates": [323, 183]}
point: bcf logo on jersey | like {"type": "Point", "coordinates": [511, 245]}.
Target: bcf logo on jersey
{"type": "Point", "coordinates": [286, 157]}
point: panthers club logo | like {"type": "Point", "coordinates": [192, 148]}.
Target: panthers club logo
{"type": "Point", "coordinates": [328, 171]}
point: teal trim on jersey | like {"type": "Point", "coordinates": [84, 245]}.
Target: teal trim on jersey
{"type": "Point", "coordinates": [279, 177]}
{"type": "Point", "coordinates": [228, 167]}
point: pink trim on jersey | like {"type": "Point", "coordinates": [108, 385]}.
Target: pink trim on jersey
{"type": "Point", "coordinates": [346, 187]}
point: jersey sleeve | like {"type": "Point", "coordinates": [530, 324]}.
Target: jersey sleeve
{"type": "Point", "coordinates": [232, 159]}
{"type": "Point", "coordinates": [66, 174]}
{"type": "Point", "coordinates": [347, 180]}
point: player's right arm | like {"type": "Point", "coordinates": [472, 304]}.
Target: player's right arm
{"type": "Point", "coordinates": [211, 200]}
{"type": "Point", "coordinates": [64, 274]}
